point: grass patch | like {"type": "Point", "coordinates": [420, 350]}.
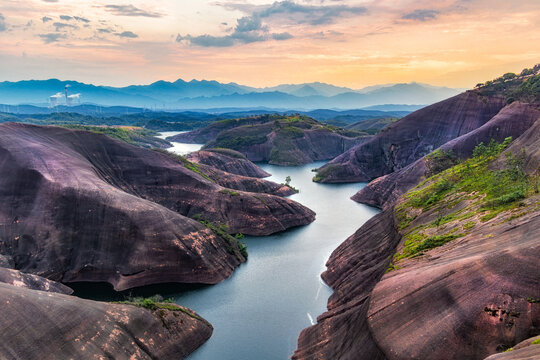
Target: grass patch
{"type": "Point", "coordinates": [500, 189]}
{"type": "Point", "coordinates": [233, 244]}
{"type": "Point", "coordinates": [229, 192]}
{"type": "Point", "coordinates": [157, 302]}
{"type": "Point", "coordinates": [489, 190]}
{"type": "Point", "coordinates": [185, 162]}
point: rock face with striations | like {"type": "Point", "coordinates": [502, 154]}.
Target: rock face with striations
{"type": "Point", "coordinates": [288, 141]}
{"type": "Point", "coordinates": [229, 161]}
{"type": "Point", "coordinates": [474, 289]}
{"type": "Point", "coordinates": [448, 270]}
{"type": "Point", "coordinates": [47, 324]}
{"type": "Point", "coordinates": [412, 137]}
{"type": "Point", "coordinates": [353, 270]}
{"type": "Point", "coordinates": [513, 120]}
{"type": "Point", "coordinates": [78, 206]}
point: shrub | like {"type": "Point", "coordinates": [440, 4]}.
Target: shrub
{"type": "Point", "coordinates": [436, 241]}
{"type": "Point", "coordinates": [440, 160]}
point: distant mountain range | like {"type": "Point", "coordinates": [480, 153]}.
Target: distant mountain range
{"type": "Point", "coordinates": [205, 94]}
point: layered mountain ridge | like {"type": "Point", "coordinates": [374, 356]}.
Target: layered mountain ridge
{"type": "Point", "coordinates": [205, 94]}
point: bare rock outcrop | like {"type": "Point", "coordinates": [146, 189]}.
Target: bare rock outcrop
{"type": "Point", "coordinates": [50, 325]}
{"type": "Point", "coordinates": [512, 121]}
{"type": "Point", "coordinates": [229, 161]}
{"type": "Point", "coordinates": [77, 206]}
{"type": "Point", "coordinates": [412, 137]}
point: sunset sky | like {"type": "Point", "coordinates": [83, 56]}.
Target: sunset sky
{"type": "Point", "coordinates": [352, 43]}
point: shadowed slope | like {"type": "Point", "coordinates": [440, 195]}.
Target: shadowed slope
{"type": "Point", "coordinates": [513, 120]}
{"type": "Point", "coordinates": [49, 325]}
{"type": "Point", "coordinates": [412, 137]}
{"type": "Point", "coordinates": [78, 206]}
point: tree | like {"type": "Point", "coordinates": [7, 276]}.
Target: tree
{"type": "Point", "coordinates": [288, 181]}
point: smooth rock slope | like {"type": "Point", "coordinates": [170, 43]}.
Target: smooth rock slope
{"type": "Point", "coordinates": [39, 324]}
{"type": "Point", "coordinates": [78, 206]}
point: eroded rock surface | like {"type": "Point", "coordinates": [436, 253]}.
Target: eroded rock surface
{"type": "Point", "coordinates": [48, 325]}
{"type": "Point", "coordinates": [513, 120]}
{"type": "Point", "coordinates": [229, 161]}
{"type": "Point", "coordinates": [78, 206]}
{"type": "Point", "coordinates": [412, 137]}
{"type": "Point", "coordinates": [353, 270]}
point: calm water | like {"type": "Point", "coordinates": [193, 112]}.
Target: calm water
{"type": "Point", "coordinates": [260, 310]}
{"type": "Point", "coordinates": [180, 148]}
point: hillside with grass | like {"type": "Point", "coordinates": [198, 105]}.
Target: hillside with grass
{"type": "Point", "coordinates": [276, 139]}
{"type": "Point", "coordinates": [132, 135]}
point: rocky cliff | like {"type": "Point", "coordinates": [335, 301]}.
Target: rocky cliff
{"type": "Point", "coordinates": [78, 206]}
{"type": "Point", "coordinates": [412, 137]}
{"type": "Point", "coordinates": [449, 269]}
{"type": "Point", "coordinates": [353, 270]}
{"type": "Point", "coordinates": [453, 265]}
{"type": "Point", "coordinates": [421, 132]}
{"type": "Point", "coordinates": [40, 322]}
{"type": "Point", "coordinates": [229, 161]}
{"type": "Point", "coordinates": [513, 120]}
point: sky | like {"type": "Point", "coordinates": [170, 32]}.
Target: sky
{"type": "Point", "coordinates": [354, 43]}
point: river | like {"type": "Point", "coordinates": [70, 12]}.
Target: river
{"type": "Point", "coordinates": [260, 310]}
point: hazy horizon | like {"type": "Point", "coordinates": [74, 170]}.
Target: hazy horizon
{"type": "Point", "coordinates": [264, 43]}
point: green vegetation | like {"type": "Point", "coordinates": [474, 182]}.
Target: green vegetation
{"type": "Point", "coordinates": [185, 162]}
{"type": "Point", "coordinates": [325, 172]}
{"type": "Point", "coordinates": [234, 245]}
{"type": "Point", "coordinates": [536, 342]}
{"type": "Point", "coordinates": [487, 183]}
{"type": "Point", "coordinates": [130, 134]}
{"type": "Point", "coordinates": [440, 160]}
{"type": "Point", "coordinates": [230, 192]}
{"type": "Point", "coordinates": [158, 121]}
{"type": "Point", "coordinates": [157, 302]}
{"type": "Point", "coordinates": [522, 87]}
{"type": "Point", "coordinates": [499, 188]}
{"type": "Point", "coordinates": [228, 152]}
{"type": "Point", "coordinates": [284, 132]}
{"type": "Point", "coordinates": [288, 184]}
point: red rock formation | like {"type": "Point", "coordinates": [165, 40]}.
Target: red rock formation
{"type": "Point", "coordinates": [78, 206]}
{"type": "Point", "coordinates": [412, 137]}
{"type": "Point", "coordinates": [525, 350]}
{"type": "Point", "coordinates": [513, 120]}
{"type": "Point", "coordinates": [229, 161]}
{"type": "Point", "coordinates": [29, 281]}
{"type": "Point", "coordinates": [466, 299]}
{"type": "Point", "coordinates": [469, 295]}
{"type": "Point", "coordinates": [353, 269]}
{"type": "Point", "coordinates": [245, 183]}
{"type": "Point", "coordinates": [50, 325]}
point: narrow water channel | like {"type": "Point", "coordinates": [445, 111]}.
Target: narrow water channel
{"type": "Point", "coordinates": [260, 310]}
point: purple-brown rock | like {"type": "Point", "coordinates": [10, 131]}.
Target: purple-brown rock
{"type": "Point", "coordinates": [78, 206]}
{"type": "Point", "coordinates": [50, 325]}
{"type": "Point", "coordinates": [412, 137]}
{"type": "Point", "coordinates": [229, 161]}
